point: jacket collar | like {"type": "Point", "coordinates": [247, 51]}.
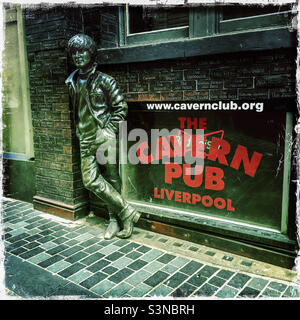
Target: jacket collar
{"type": "Point", "coordinates": [72, 76]}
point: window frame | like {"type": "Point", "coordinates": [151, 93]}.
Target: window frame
{"type": "Point", "coordinates": [127, 39]}
{"type": "Point", "coordinates": [204, 21]}
{"type": "Point", "coordinates": [204, 38]}
{"type": "Point", "coordinates": [253, 22]}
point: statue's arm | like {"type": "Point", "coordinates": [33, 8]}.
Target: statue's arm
{"type": "Point", "coordinates": [118, 105]}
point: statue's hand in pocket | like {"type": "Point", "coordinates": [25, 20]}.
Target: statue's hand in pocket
{"type": "Point", "coordinates": [108, 133]}
{"type": "Point", "coordinates": [103, 136]}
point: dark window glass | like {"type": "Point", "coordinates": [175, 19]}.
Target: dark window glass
{"type": "Point", "coordinates": [142, 19]}
{"type": "Point", "coordinates": [240, 11]}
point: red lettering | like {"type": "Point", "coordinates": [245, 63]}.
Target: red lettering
{"type": "Point", "coordinates": [213, 178]}
{"type": "Point", "coordinates": [169, 194]}
{"type": "Point", "coordinates": [202, 123]}
{"type": "Point", "coordinates": [172, 170]}
{"type": "Point", "coordinates": [187, 177]}
{"type": "Point", "coordinates": [192, 123]}
{"type": "Point", "coordinates": [163, 149]}
{"type": "Point", "coordinates": [141, 153]}
{"type": "Point", "coordinates": [182, 121]}
{"type": "Point", "coordinates": [159, 196]}
{"type": "Point", "coordinates": [156, 195]}
{"type": "Point", "coordinates": [195, 123]}
{"type": "Point", "coordinates": [178, 196]}
{"type": "Point", "coordinates": [241, 155]}
{"type": "Point", "coordinates": [215, 152]}
{"type": "Point", "coordinates": [195, 198]}
{"type": "Point", "coordinates": [186, 197]}
{"type": "Point", "coordinates": [229, 207]}
{"type": "Point", "coordinates": [207, 201]}
{"type": "Point", "coordinates": [219, 203]}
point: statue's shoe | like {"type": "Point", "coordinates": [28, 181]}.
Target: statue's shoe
{"type": "Point", "coordinates": [112, 230]}
{"type": "Point", "coordinates": [128, 224]}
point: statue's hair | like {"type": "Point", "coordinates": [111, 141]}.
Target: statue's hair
{"type": "Point", "coordinates": [82, 41]}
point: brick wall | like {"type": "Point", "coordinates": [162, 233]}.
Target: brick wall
{"type": "Point", "coordinates": [57, 164]}
{"type": "Point", "coordinates": [56, 151]}
{"type": "Point", "coordinates": [101, 23]}
{"type": "Point", "coordinates": [241, 76]}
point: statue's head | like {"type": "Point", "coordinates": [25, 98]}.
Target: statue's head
{"type": "Point", "coordinates": [82, 49]}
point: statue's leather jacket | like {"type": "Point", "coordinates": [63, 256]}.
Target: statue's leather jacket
{"type": "Point", "coordinates": [104, 98]}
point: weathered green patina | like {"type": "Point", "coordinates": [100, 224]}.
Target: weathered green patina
{"type": "Point", "coordinates": [98, 108]}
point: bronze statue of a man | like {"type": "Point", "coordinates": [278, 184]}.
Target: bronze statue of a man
{"type": "Point", "coordinates": [98, 109]}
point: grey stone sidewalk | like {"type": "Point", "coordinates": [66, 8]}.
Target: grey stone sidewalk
{"type": "Point", "coordinates": [49, 257]}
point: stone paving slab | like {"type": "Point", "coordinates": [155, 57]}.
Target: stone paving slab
{"type": "Point", "coordinates": [50, 257]}
{"type": "Point", "coordinates": [27, 280]}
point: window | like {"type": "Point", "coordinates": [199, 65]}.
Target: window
{"type": "Point", "coordinates": [239, 11]}
{"type": "Point", "coordinates": [147, 34]}
{"type": "Point", "coordinates": [240, 18]}
{"type": "Point", "coordinates": [143, 19]}
{"type": "Point", "coordinates": [150, 24]}
{"type": "Point", "coordinates": [17, 129]}
{"type": "Point", "coordinates": [153, 23]}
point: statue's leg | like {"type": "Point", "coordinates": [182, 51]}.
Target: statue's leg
{"type": "Point", "coordinates": [95, 182]}
{"type": "Point", "coordinates": [111, 175]}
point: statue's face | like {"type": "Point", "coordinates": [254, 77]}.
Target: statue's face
{"type": "Point", "coordinates": [81, 58]}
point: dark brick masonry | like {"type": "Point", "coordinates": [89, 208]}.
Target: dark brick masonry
{"type": "Point", "coordinates": [45, 257]}
{"type": "Point", "coordinates": [239, 76]}
{"type": "Point", "coordinates": [56, 153]}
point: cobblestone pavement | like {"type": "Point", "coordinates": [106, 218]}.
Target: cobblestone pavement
{"type": "Point", "coordinates": [53, 258]}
